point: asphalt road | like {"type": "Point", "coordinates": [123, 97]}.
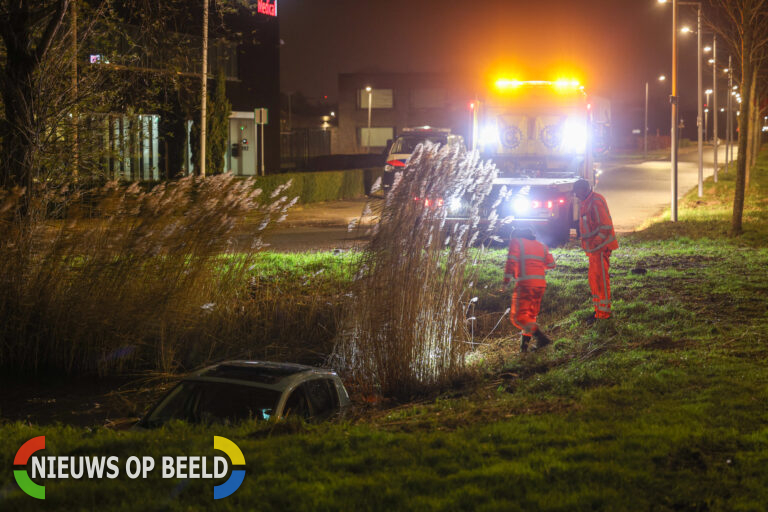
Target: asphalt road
{"type": "Point", "coordinates": [635, 192]}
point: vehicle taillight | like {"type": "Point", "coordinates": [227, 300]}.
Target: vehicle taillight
{"type": "Point", "coordinates": [561, 201]}
{"type": "Point", "coordinates": [396, 163]}
{"type": "Point", "coordinates": [549, 205]}
{"type": "Point", "coordinates": [427, 203]}
{"type": "Point", "coordinates": [440, 203]}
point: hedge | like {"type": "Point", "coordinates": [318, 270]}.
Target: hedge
{"type": "Point", "coordinates": [314, 187]}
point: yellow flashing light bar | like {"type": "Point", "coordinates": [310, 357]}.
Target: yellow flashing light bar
{"type": "Point", "coordinates": [503, 83]}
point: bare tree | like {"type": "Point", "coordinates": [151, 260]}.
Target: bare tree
{"type": "Point", "coordinates": [743, 25]}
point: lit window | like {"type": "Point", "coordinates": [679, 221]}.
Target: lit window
{"type": "Point", "coordinates": [379, 136]}
{"type": "Point", "coordinates": [381, 98]}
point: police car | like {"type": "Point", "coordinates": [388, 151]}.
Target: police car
{"type": "Point", "coordinates": [405, 144]}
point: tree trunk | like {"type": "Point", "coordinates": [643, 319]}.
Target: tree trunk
{"type": "Point", "coordinates": [751, 126]}
{"type": "Point", "coordinates": [27, 40]}
{"type": "Point", "coordinates": [19, 132]}
{"type": "Point", "coordinates": [747, 68]}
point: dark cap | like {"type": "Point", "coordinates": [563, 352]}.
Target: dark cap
{"type": "Point", "coordinates": [582, 188]}
{"type": "Point", "coordinates": [523, 233]}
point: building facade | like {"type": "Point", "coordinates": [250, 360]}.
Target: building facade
{"type": "Point", "coordinates": [397, 101]}
{"type": "Point", "coordinates": [156, 145]}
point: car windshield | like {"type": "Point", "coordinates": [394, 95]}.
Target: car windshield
{"type": "Point", "coordinates": [406, 145]}
{"type": "Point", "coordinates": [214, 402]}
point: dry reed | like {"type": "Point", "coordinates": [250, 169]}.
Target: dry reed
{"type": "Point", "coordinates": [129, 279]}
{"type": "Point", "coordinates": [404, 331]}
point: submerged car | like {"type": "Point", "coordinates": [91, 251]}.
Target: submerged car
{"type": "Point", "coordinates": [236, 391]}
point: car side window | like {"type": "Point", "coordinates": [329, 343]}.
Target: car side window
{"type": "Point", "coordinates": [297, 404]}
{"type": "Point", "coordinates": [322, 397]}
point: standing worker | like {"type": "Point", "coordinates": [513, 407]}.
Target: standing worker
{"type": "Point", "coordinates": [527, 263]}
{"type": "Point", "coordinates": [598, 240]}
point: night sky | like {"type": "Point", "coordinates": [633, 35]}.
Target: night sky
{"type": "Point", "coordinates": [612, 46]}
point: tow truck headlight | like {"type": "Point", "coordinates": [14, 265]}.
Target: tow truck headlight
{"type": "Point", "coordinates": [521, 204]}
{"type": "Point", "coordinates": [489, 135]}
{"type": "Point", "coordinates": [574, 136]}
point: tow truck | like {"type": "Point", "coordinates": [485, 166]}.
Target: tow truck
{"type": "Point", "coordinates": [543, 136]}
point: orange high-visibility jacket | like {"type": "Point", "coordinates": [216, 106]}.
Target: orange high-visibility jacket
{"type": "Point", "coordinates": [596, 225]}
{"type": "Point", "coordinates": [528, 261]}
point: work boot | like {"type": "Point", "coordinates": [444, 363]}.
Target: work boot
{"type": "Point", "coordinates": [541, 339]}
{"type": "Point", "coordinates": [591, 319]}
{"type": "Point", "coordinates": [524, 340]}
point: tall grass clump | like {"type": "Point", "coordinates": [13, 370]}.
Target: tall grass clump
{"type": "Point", "coordinates": [404, 328]}
{"type": "Point", "coordinates": [122, 279]}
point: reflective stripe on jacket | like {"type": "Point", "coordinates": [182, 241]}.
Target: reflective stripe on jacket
{"type": "Point", "coordinates": [527, 260]}
{"type": "Point", "coordinates": [596, 225]}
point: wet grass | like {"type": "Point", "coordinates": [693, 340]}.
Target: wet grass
{"type": "Point", "coordinates": [662, 407]}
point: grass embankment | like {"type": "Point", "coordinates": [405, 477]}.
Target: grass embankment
{"type": "Point", "coordinates": [662, 407]}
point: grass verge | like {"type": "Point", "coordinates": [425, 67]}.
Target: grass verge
{"type": "Point", "coordinates": [660, 408]}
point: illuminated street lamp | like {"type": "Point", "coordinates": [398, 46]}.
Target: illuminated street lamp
{"type": "Point", "coordinates": [645, 132]}
{"type": "Point", "coordinates": [706, 113]}
{"type": "Point", "coordinates": [369, 89]}
{"type": "Point", "coordinates": [699, 115]}
{"type": "Point", "coordinates": [715, 139]}
{"type": "Point", "coordinates": [674, 123]}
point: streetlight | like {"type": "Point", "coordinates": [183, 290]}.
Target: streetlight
{"type": "Point", "coordinates": [715, 139]}
{"type": "Point", "coordinates": [729, 123]}
{"type": "Point", "coordinates": [673, 102]}
{"type": "Point", "coordinates": [645, 132]}
{"type": "Point", "coordinates": [706, 114]}
{"type": "Point", "coordinates": [698, 92]}
{"type": "Point", "coordinates": [369, 89]}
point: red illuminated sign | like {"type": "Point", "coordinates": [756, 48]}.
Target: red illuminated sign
{"type": "Point", "coordinates": [268, 7]}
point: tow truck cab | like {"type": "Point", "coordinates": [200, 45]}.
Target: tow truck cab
{"type": "Point", "coordinates": [541, 136]}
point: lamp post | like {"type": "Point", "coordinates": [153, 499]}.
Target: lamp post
{"type": "Point", "coordinates": [715, 139]}
{"type": "Point", "coordinates": [728, 114]}
{"type": "Point", "coordinates": [369, 89]}
{"type": "Point", "coordinates": [699, 94]}
{"type": "Point", "coordinates": [675, 116]}
{"type": "Point", "coordinates": [706, 114]}
{"type": "Point", "coordinates": [674, 110]}
{"type": "Point", "coordinates": [645, 124]}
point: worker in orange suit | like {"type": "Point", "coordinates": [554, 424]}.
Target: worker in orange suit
{"type": "Point", "coordinates": [598, 240]}
{"type": "Point", "coordinates": [527, 263]}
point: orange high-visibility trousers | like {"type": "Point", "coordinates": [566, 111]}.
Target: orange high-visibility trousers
{"type": "Point", "coordinates": [526, 301]}
{"type": "Point", "coordinates": [600, 282]}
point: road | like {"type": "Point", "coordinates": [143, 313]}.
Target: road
{"type": "Point", "coordinates": [635, 192]}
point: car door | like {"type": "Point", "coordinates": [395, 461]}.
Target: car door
{"type": "Point", "coordinates": [323, 398]}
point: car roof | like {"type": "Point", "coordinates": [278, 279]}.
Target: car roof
{"type": "Point", "coordinates": [265, 374]}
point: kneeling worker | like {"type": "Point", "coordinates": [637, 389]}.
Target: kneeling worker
{"type": "Point", "coordinates": [527, 263]}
